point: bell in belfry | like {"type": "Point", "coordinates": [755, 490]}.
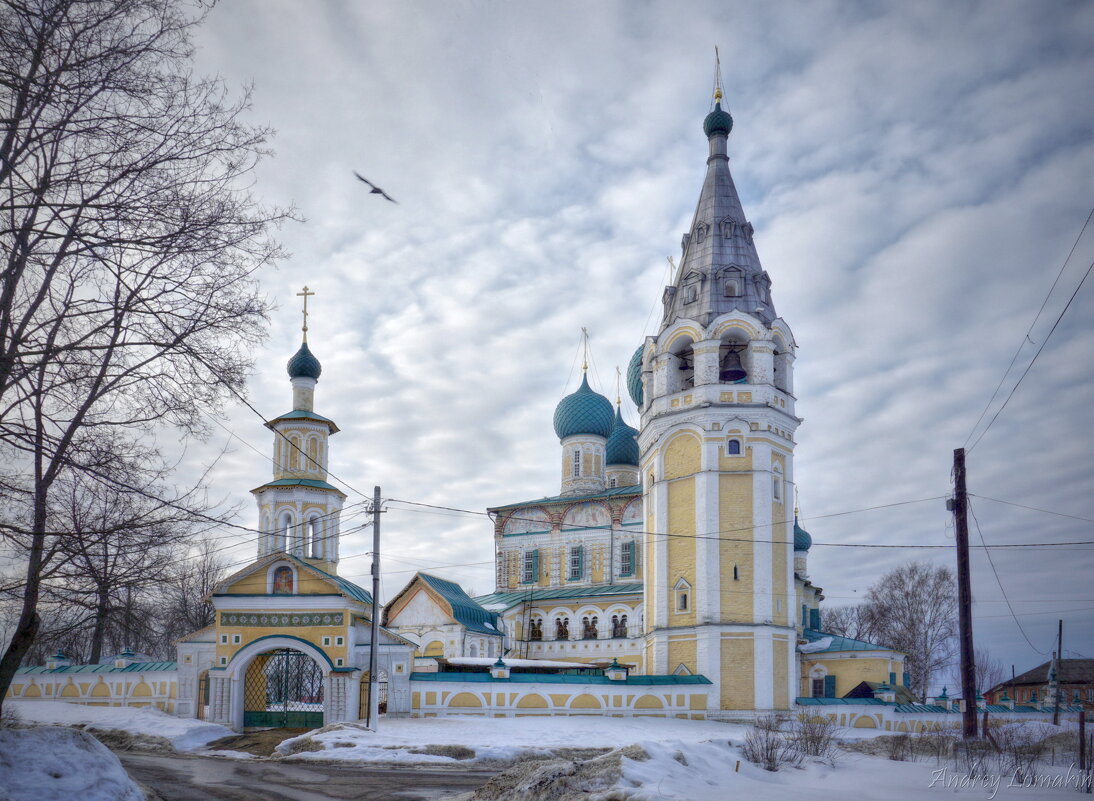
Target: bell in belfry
{"type": "Point", "coordinates": [733, 372]}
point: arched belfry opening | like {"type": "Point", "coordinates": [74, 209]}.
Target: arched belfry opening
{"type": "Point", "coordinates": [682, 369]}
{"type": "Point", "coordinates": [733, 358]}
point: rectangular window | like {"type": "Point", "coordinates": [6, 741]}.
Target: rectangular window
{"type": "Point", "coordinates": [626, 559]}
{"type": "Point", "coordinates": [326, 642]}
{"type": "Point", "coordinates": [818, 688]}
{"type": "Point", "coordinates": [577, 463]}
{"type": "Point", "coordinates": [530, 567]}
{"type": "Point", "coordinates": [339, 640]}
{"type": "Point", "coordinates": [223, 639]}
{"type": "Point", "coordinates": [339, 662]}
{"type": "Point", "coordinates": [237, 639]}
{"type": "Point", "coordinates": [577, 559]}
{"type": "Point", "coordinates": [224, 660]}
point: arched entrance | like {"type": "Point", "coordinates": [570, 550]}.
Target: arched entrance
{"type": "Point", "coordinates": [201, 707]}
{"type": "Point", "coordinates": [381, 689]}
{"type": "Point", "coordinates": [283, 688]}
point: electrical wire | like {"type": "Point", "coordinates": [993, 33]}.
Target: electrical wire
{"type": "Point", "coordinates": [999, 581]}
{"type": "Point", "coordinates": [1029, 330]}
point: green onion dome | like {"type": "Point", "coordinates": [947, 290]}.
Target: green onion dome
{"type": "Point", "coordinates": [802, 540]}
{"type": "Point", "coordinates": [717, 122]}
{"type": "Point", "coordinates": [584, 412]}
{"type": "Point", "coordinates": [303, 364]}
{"type": "Point", "coordinates": [634, 377]}
{"type": "Point", "coordinates": [622, 445]}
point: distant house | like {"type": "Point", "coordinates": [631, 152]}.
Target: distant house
{"type": "Point", "coordinates": [1074, 679]}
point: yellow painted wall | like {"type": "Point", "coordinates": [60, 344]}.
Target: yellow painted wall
{"type": "Point", "coordinates": [308, 584]}
{"type": "Point", "coordinates": [851, 672]}
{"type": "Point", "coordinates": [780, 554]}
{"type": "Point", "coordinates": [735, 519]}
{"type": "Point", "coordinates": [738, 688]}
{"type": "Point", "coordinates": [682, 651]}
{"type": "Point", "coordinates": [781, 653]}
{"type": "Point", "coordinates": [312, 634]}
{"type": "Point", "coordinates": [681, 550]}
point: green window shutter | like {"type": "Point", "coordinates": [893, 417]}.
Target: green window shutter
{"type": "Point", "coordinates": [805, 616]}
{"type": "Point", "coordinates": [907, 679]}
{"type": "Point", "coordinates": [829, 686]}
{"type": "Point", "coordinates": [580, 562]}
{"type": "Point", "coordinates": [814, 619]}
{"type": "Point", "coordinates": [892, 678]}
{"type": "Point", "coordinates": [628, 548]}
{"type": "Point", "coordinates": [535, 565]}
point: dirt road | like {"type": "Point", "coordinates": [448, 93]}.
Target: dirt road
{"type": "Point", "coordinates": [195, 778]}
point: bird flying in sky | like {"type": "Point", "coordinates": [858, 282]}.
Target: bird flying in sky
{"type": "Point", "coordinates": [375, 189]}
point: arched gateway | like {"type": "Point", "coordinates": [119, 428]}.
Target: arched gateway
{"type": "Point", "coordinates": [283, 688]}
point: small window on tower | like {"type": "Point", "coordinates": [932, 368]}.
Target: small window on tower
{"type": "Point", "coordinates": [690, 294]}
{"type": "Point", "coordinates": [682, 591]}
{"type": "Point", "coordinates": [611, 482]}
{"type": "Point", "coordinates": [732, 288]}
{"type": "Point", "coordinates": [577, 463]}
{"type": "Point", "coordinates": [733, 447]}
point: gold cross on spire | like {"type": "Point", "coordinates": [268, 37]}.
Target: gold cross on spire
{"type": "Point", "coordinates": [717, 76]}
{"type": "Point", "coordinates": [585, 345]}
{"type": "Point", "coordinates": [618, 386]}
{"type": "Point", "coordinates": [305, 295]}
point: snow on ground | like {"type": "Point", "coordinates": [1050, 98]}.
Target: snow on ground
{"type": "Point", "coordinates": [185, 734]}
{"type": "Point", "coordinates": [711, 775]}
{"type": "Point", "coordinates": [51, 763]}
{"type": "Point", "coordinates": [501, 738]}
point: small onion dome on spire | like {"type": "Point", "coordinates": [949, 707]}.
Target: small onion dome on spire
{"type": "Point", "coordinates": [717, 122]}
{"type": "Point", "coordinates": [303, 364]}
{"type": "Point", "coordinates": [622, 446]}
{"type": "Point", "coordinates": [634, 377]}
{"type": "Point", "coordinates": [584, 412]}
{"type": "Point", "coordinates": [802, 540]}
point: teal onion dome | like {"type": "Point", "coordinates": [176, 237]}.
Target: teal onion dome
{"type": "Point", "coordinates": [584, 412]}
{"type": "Point", "coordinates": [802, 540]}
{"type": "Point", "coordinates": [303, 364]}
{"type": "Point", "coordinates": [717, 122]}
{"type": "Point", "coordinates": [622, 445]}
{"type": "Point", "coordinates": [634, 377]}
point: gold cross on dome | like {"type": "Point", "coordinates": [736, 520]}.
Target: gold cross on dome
{"type": "Point", "coordinates": [305, 295]}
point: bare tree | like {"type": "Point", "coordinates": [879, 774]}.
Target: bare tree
{"type": "Point", "coordinates": [989, 670]}
{"type": "Point", "coordinates": [913, 609]}
{"type": "Point", "coordinates": [846, 621]}
{"type": "Point", "coordinates": [130, 242]}
{"type": "Point", "coordinates": [186, 590]}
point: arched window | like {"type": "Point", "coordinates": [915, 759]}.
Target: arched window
{"type": "Point", "coordinates": [313, 455]}
{"type": "Point", "coordinates": [535, 631]}
{"type": "Point", "coordinates": [682, 593]}
{"type": "Point", "coordinates": [294, 452]}
{"type": "Point", "coordinates": [562, 628]}
{"type": "Point", "coordinates": [777, 486]}
{"type": "Point", "coordinates": [589, 627]}
{"type": "Point", "coordinates": [315, 538]}
{"type": "Point", "coordinates": [577, 463]}
{"type": "Point", "coordinates": [283, 537]}
{"type": "Point", "coordinates": [732, 287]}
{"type": "Point", "coordinates": [282, 581]}
{"type": "Point", "coordinates": [733, 447]}
{"type": "Point", "coordinates": [619, 625]}
{"type": "Point", "coordinates": [473, 651]}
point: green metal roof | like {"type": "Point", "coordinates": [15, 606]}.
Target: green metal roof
{"type": "Point", "coordinates": [136, 667]}
{"type": "Point", "coordinates": [634, 376]}
{"type": "Point", "coordinates": [584, 412]}
{"type": "Point", "coordinates": [464, 609]}
{"type": "Point", "coordinates": [299, 482]}
{"type": "Point", "coordinates": [717, 122]}
{"type": "Point", "coordinates": [842, 643]}
{"type": "Point", "coordinates": [347, 587]}
{"type": "Point", "coordinates": [556, 678]}
{"type": "Point", "coordinates": [634, 489]}
{"type": "Point", "coordinates": [839, 701]}
{"type": "Point", "coordinates": [514, 597]}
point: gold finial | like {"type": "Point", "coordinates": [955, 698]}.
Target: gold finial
{"type": "Point", "coordinates": [585, 351]}
{"type": "Point", "coordinates": [618, 386]}
{"type": "Point", "coordinates": [305, 295]}
{"type": "Point", "coordinates": [796, 501]}
{"type": "Point", "coordinates": [717, 76]}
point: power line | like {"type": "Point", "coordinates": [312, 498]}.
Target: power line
{"type": "Point", "coordinates": [999, 581]}
{"type": "Point", "coordinates": [1033, 508]}
{"type": "Point", "coordinates": [717, 535]}
{"type": "Point", "coordinates": [1035, 355]}
{"type": "Point", "coordinates": [1029, 330]}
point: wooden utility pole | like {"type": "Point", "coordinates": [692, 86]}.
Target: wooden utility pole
{"type": "Point", "coordinates": [964, 596]}
{"type": "Point", "coordinates": [1058, 664]}
{"type": "Point", "coordinates": [372, 719]}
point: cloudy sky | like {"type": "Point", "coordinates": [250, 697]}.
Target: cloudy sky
{"type": "Point", "coordinates": [916, 174]}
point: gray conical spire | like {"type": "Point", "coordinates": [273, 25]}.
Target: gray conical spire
{"type": "Point", "coordinates": [719, 269]}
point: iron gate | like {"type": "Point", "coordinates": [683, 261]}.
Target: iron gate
{"type": "Point", "coordinates": [283, 688]}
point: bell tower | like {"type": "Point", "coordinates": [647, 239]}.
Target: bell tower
{"type": "Point", "coordinates": [715, 390]}
{"type": "Point", "coordinates": [298, 509]}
